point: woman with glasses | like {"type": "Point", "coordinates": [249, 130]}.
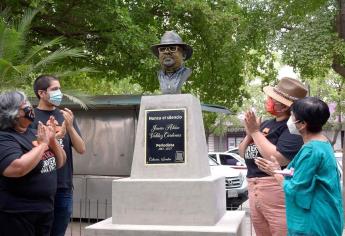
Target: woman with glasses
{"type": "Point", "coordinates": [312, 182]}
{"type": "Point", "coordinates": [28, 163]}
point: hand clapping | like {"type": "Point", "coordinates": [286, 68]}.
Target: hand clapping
{"type": "Point", "coordinates": [251, 122]}
{"type": "Point", "coordinates": [45, 134]}
{"type": "Point", "coordinates": [68, 116]}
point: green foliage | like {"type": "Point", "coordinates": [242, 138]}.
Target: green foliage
{"type": "Point", "coordinates": [83, 82]}
{"type": "Point", "coordinates": [19, 63]}
{"type": "Point", "coordinates": [234, 42]}
{"type": "Point", "coordinates": [117, 36]}
{"type": "Point", "coordinates": [312, 44]}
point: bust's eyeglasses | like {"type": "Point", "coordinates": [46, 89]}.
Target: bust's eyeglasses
{"type": "Point", "coordinates": [168, 49]}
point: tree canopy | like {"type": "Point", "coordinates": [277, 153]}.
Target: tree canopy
{"type": "Point", "coordinates": [226, 36]}
{"type": "Point", "coordinates": [233, 41]}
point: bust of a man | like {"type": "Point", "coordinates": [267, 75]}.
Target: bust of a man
{"type": "Point", "coordinates": [172, 52]}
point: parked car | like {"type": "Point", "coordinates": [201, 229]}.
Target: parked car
{"type": "Point", "coordinates": [233, 150]}
{"type": "Point", "coordinates": [230, 159]}
{"type": "Point", "coordinates": [236, 185]}
{"type": "Point", "coordinates": [339, 158]}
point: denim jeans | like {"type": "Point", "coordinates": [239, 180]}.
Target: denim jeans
{"type": "Point", "coordinates": [62, 212]}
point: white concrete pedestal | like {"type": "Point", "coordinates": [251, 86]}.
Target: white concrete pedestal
{"type": "Point", "coordinates": [169, 202]}
{"type": "Point", "coordinates": [170, 199]}
{"type": "Point", "coordinates": [231, 224]}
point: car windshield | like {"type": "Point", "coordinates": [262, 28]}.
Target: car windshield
{"type": "Point", "coordinates": [233, 150]}
{"type": "Point", "coordinates": [212, 161]}
{"type": "Point", "coordinates": [231, 159]}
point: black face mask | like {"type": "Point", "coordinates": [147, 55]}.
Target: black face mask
{"type": "Point", "coordinates": [29, 113]}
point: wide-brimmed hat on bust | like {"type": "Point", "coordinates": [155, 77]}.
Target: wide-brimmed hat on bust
{"type": "Point", "coordinates": [286, 91]}
{"type": "Point", "coordinates": [172, 38]}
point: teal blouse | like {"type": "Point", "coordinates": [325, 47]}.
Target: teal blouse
{"type": "Point", "coordinates": [313, 194]}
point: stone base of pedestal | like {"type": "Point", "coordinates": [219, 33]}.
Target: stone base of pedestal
{"type": "Point", "coordinates": [231, 224]}
{"type": "Point", "coordinates": [168, 201]}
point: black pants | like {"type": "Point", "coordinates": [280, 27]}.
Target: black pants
{"type": "Point", "coordinates": [26, 224]}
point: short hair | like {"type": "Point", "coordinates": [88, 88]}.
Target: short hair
{"type": "Point", "coordinates": [313, 111]}
{"type": "Point", "coordinates": [10, 103]}
{"type": "Point", "coordinates": [42, 82]}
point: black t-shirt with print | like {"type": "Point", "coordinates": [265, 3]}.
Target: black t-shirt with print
{"type": "Point", "coordinates": [278, 134]}
{"type": "Point", "coordinates": [65, 173]}
{"type": "Point", "coordinates": [33, 192]}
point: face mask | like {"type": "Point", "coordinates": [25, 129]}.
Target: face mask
{"type": "Point", "coordinates": [270, 106]}
{"type": "Point", "coordinates": [55, 97]}
{"type": "Point", "coordinates": [29, 113]}
{"type": "Point", "coordinates": [292, 127]}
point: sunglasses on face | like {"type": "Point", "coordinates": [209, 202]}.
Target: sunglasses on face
{"type": "Point", "coordinates": [168, 49]}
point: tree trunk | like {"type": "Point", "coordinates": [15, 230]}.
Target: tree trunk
{"type": "Point", "coordinates": [339, 68]}
{"type": "Point", "coordinates": [340, 29]}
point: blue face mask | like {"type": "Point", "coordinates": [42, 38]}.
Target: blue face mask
{"type": "Point", "coordinates": [55, 97]}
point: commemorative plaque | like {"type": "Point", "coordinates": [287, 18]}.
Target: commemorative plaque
{"type": "Point", "coordinates": [165, 136]}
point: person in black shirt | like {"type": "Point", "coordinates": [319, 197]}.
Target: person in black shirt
{"type": "Point", "coordinates": [28, 163]}
{"type": "Point", "coordinates": [272, 137]}
{"type": "Point", "coordinates": [47, 89]}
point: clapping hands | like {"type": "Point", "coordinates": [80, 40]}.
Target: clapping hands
{"type": "Point", "coordinates": [251, 122]}
{"type": "Point", "coordinates": [45, 134]}
{"type": "Point", "coordinates": [69, 117]}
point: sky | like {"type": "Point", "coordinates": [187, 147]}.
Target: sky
{"type": "Point", "coordinates": [287, 71]}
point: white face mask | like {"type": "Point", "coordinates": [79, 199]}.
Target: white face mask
{"type": "Point", "coordinates": [55, 97]}
{"type": "Point", "coordinates": [292, 127]}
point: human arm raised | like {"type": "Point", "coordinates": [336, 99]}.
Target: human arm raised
{"type": "Point", "coordinates": [265, 147]}
{"type": "Point", "coordinates": [54, 145]}
{"type": "Point", "coordinates": [28, 161]}
{"type": "Point", "coordinates": [244, 144]}
{"type": "Point", "coordinates": [77, 141]}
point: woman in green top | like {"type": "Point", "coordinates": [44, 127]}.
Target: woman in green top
{"type": "Point", "coordinates": [312, 184]}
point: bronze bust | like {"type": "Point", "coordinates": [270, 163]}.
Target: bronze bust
{"type": "Point", "coordinates": [172, 52]}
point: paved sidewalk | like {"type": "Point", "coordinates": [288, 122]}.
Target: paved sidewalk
{"type": "Point", "coordinates": [249, 230]}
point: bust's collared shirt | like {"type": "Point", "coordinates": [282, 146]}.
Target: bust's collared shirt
{"type": "Point", "coordinates": [171, 83]}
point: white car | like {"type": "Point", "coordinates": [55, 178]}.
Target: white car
{"type": "Point", "coordinates": [339, 159]}
{"type": "Point", "coordinates": [230, 159]}
{"type": "Point", "coordinates": [236, 185]}
{"type": "Point", "coordinates": [233, 150]}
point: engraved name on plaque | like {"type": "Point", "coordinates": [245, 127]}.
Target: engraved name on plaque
{"type": "Point", "coordinates": [165, 136]}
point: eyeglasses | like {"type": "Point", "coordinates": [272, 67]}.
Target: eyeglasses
{"type": "Point", "coordinates": [168, 49]}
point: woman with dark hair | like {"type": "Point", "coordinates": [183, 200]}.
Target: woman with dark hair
{"type": "Point", "coordinates": [28, 163]}
{"type": "Point", "coordinates": [312, 184]}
